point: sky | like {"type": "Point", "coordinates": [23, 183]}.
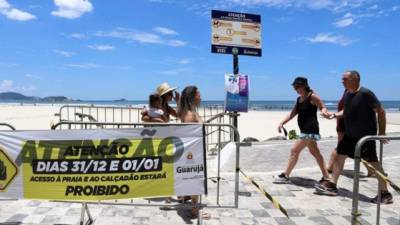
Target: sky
{"type": "Point", "coordinates": [106, 50]}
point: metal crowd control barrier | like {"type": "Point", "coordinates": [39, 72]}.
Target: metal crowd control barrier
{"type": "Point", "coordinates": [7, 125]}
{"type": "Point", "coordinates": [118, 114]}
{"type": "Point", "coordinates": [200, 205]}
{"type": "Point", "coordinates": [357, 159]}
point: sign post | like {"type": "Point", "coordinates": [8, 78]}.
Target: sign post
{"type": "Point", "coordinates": [237, 34]}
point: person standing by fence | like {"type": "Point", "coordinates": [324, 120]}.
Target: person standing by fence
{"type": "Point", "coordinates": [190, 100]}
{"type": "Point", "coordinates": [167, 95]}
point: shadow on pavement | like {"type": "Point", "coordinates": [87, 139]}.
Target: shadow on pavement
{"type": "Point", "coordinates": [303, 182]}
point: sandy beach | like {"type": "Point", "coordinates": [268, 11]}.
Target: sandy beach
{"type": "Point", "coordinates": [258, 124]}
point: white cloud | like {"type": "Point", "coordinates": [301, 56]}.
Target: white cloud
{"type": "Point", "coordinates": [178, 71]}
{"type": "Point", "coordinates": [4, 4]}
{"type": "Point", "coordinates": [2, 64]}
{"type": "Point", "coordinates": [373, 7]}
{"type": "Point", "coordinates": [331, 39]}
{"type": "Point", "coordinates": [165, 31]}
{"type": "Point", "coordinates": [206, 5]}
{"type": "Point", "coordinates": [184, 61]}
{"type": "Point", "coordinates": [101, 47]}
{"type": "Point", "coordinates": [77, 36]}
{"type": "Point", "coordinates": [14, 14]}
{"type": "Point", "coordinates": [72, 9]}
{"type": "Point", "coordinates": [31, 76]}
{"type": "Point", "coordinates": [84, 66]}
{"type": "Point", "coordinates": [7, 85]}
{"type": "Point", "coordinates": [344, 22]}
{"type": "Point", "coordinates": [64, 53]}
{"type": "Point", "coordinates": [140, 36]}
{"type": "Point", "coordinates": [176, 43]}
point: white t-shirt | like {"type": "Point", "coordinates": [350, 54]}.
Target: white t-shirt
{"type": "Point", "coordinates": [154, 112]}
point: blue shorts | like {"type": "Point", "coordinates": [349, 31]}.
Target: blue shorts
{"type": "Point", "coordinates": [314, 137]}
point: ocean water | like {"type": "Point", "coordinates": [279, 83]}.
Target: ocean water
{"type": "Point", "coordinates": [390, 106]}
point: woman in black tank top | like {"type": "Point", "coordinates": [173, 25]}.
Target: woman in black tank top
{"type": "Point", "coordinates": [306, 108]}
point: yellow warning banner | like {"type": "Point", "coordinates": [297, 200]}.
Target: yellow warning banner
{"type": "Point", "coordinates": [103, 164]}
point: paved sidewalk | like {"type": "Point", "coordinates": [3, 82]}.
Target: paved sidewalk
{"type": "Point", "coordinates": [258, 161]}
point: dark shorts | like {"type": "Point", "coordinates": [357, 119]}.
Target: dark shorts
{"type": "Point", "coordinates": [340, 125]}
{"type": "Point", "coordinates": [347, 146]}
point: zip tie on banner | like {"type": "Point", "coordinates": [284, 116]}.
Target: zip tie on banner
{"type": "Point", "coordinates": [263, 191]}
{"type": "Point", "coordinates": [385, 178]}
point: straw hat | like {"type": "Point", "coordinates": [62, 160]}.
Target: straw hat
{"type": "Point", "coordinates": [164, 88]}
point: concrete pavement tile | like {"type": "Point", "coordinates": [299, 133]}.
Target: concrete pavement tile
{"type": "Point", "coordinates": [320, 220]}
{"type": "Point", "coordinates": [248, 221]}
{"type": "Point", "coordinates": [243, 213]}
{"type": "Point", "coordinates": [225, 213]}
{"type": "Point", "coordinates": [294, 213]}
{"type": "Point", "coordinates": [73, 212]}
{"type": "Point", "coordinates": [393, 220]}
{"type": "Point", "coordinates": [70, 220]}
{"type": "Point", "coordinates": [230, 221]}
{"type": "Point", "coordinates": [275, 212]}
{"type": "Point", "coordinates": [58, 211]}
{"type": "Point", "coordinates": [284, 221]}
{"type": "Point", "coordinates": [362, 220]}
{"type": "Point", "coordinates": [51, 219]}
{"type": "Point", "coordinates": [303, 221]}
{"type": "Point", "coordinates": [33, 219]}
{"type": "Point", "coordinates": [17, 217]}
{"type": "Point", "coordinates": [266, 221]}
{"type": "Point", "coordinates": [260, 213]}
{"type": "Point", "coordinates": [42, 210]}
{"type": "Point", "coordinates": [267, 205]}
{"type": "Point", "coordinates": [34, 203]}
{"type": "Point", "coordinates": [212, 222]}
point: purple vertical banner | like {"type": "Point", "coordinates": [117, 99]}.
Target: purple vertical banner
{"type": "Point", "coordinates": [237, 93]}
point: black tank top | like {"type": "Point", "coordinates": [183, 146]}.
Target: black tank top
{"type": "Point", "coordinates": [307, 116]}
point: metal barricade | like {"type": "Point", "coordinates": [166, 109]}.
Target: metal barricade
{"type": "Point", "coordinates": [357, 159]}
{"type": "Point", "coordinates": [7, 125]}
{"type": "Point", "coordinates": [200, 205]}
{"type": "Point", "coordinates": [118, 114]}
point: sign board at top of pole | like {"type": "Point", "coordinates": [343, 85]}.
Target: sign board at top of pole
{"type": "Point", "coordinates": [235, 33]}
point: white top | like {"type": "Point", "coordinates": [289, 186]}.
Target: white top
{"type": "Point", "coordinates": [154, 112]}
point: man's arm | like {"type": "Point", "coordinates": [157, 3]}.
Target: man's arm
{"type": "Point", "coordinates": [381, 120]}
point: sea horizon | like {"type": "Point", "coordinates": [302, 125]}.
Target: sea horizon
{"type": "Point", "coordinates": [261, 105]}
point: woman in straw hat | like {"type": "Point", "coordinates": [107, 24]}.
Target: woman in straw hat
{"type": "Point", "coordinates": [167, 94]}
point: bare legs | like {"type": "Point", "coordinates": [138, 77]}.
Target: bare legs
{"type": "Point", "coordinates": [314, 150]}
{"type": "Point", "coordinates": [298, 146]}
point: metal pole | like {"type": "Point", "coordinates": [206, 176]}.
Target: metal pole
{"type": "Point", "coordinates": [235, 72]}
{"type": "Point", "coordinates": [357, 158]}
{"type": "Point", "coordinates": [378, 207]}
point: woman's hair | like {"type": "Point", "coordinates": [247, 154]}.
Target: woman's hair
{"type": "Point", "coordinates": [164, 99]}
{"type": "Point", "coordinates": [187, 100]}
{"type": "Point", "coordinates": [308, 89]}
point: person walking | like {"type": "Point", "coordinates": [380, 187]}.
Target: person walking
{"type": "Point", "coordinates": [306, 108]}
{"type": "Point", "coordinates": [361, 108]}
